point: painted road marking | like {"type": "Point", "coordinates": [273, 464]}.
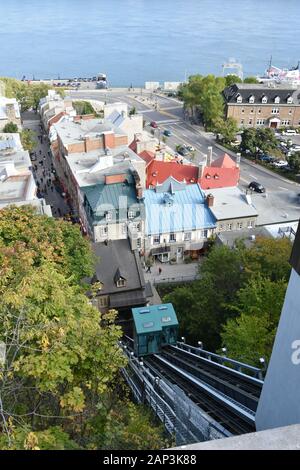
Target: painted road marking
{"type": "Point", "coordinates": [280, 187]}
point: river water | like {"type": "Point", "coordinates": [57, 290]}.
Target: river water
{"type": "Point", "coordinates": [134, 41]}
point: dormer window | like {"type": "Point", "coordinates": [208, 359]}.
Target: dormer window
{"type": "Point", "coordinates": [131, 214]}
{"type": "Point", "coordinates": [207, 176]}
{"type": "Point", "coordinates": [277, 100]}
{"type": "Point", "coordinates": [216, 176]}
{"type": "Point", "coordinates": [289, 100]}
{"type": "Point", "coordinates": [264, 99]}
{"type": "Point", "coordinates": [239, 99]}
{"type": "Point", "coordinates": [251, 99]}
{"type": "Point", "coordinates": [121, 282]}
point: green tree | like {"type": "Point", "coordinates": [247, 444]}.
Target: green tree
{"type": "Point", "coordinates": [251, 80]}
{"type": "Point", "coordinates": [83, 107]}
{"type": "Point", "coordinates": [10, 128]}
{"type": "Point", "coordinates": [132, 111]}
{"type": "Point", "coordinates": [227, 128]}
{"type": "Point", "coordinates": [259, 139]}
{"type": "Point", "coordinates": [47, 239]}
{"type": "Point", "coordinates": [294, 161]}
{"type": "Point", "coordinates": [231, 79]}
{"type": "Point", "coordinates": [28, 139]}
{"type": "Point", "coordinates": [251, 335]}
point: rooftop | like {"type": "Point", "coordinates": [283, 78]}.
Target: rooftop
{"type": "Point", "coordinates": [16, 188]}
{"type": "Point", "coordinates": [159, 171]}
{"type": "Point", "coordinates": [72, 132]}
{"type": "Point", "coordinates": [154, 318]}
{"type": "Point", "coordinates": [176, 207]}
{"type": "Point", "coordinates": [258, 91]}
{"type": "Point", "coordinates": [231, 203]}
{"type": "Point", "coordinates": [4, 102]}
{"type": "Point", "coordinates": [114, 256]}
{"type": "Point", "coordinates": [89, 169]}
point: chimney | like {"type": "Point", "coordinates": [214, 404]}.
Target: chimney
{"type": "Point", "coordinates": [202, 166]}
{"type": "Point", "coordinates": [86, 143]}
{"type": "Point", "coordinates": [210, 200]}
{"type": "Point", "coordinates": [209, 156]}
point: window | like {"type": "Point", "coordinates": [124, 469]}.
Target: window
{"type": "Point", "coordinates": [290, 111]}
{"type": "Point", "coordinates": [172, 237]}
{"type": "Point", "coordinates": [264, 99]}
{"type": "Point", "coordinates": [139, 243]}
{"type": "Point", "coordinates": [243, 110]}
{"type": "Point", "coordinates": [251, 99]}
{"type": "Point", "coordinates": [221, 227]}
{"type": "Point", "coordinates": [239, 99]}
{"type": "Point", "coordinates": [285, 122]}
{"type": "Point", "coordinates": [277, 100]}
{"type": "Point", "coordinates": [103, 301]}
{"type": "Point", "coordinates": [250, 122]}
{"type": "Point", "coordinates": [165, 319]}
{"type": "Point", "coordinates": [260, 122]}
{"type": "Point", "coordinates": [156, 239]}
{"type": "Point", "coordinates": [148, 324]}
{"type": "Point", "coordinates": [103, 231]}
{"type": "Point", "coordinates": [240, 225]}
{"type": "Point", "coordinates": [108, 216]}
{"type": "Point", "coordinates": [275, 111]}
{"type": "Point", "coordinates": [121, 282]}
{"type": "Point", "coordinates": [250, 223]}
{"type": "Point", "coordinates": [187, 236]}
{"type": "Point", "coordinates": [124, 229]}
{"type": "Point", "coordinates": [252, 111]}
{"type": "Point", "coordinates": [204, 233]}
{"type": "Point", "coordinates": [242, 122]}
{"type": "Point", "coordinates": [259, 111]}
{"type": "Point", "coordinates": [229, 226]}
{"type": "Point", "coordinates": [289, 100]}
{"type": "Point", "coordinates": [131, 214]}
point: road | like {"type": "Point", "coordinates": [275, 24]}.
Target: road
{"type": "Point", "coordinates": [281, 202]}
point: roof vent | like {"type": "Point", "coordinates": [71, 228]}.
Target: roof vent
{"type": "Point", "coordinates": [145, 310]}
{"type": "Point", "coordinates": [162, 307]}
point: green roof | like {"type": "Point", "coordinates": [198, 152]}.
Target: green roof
{"type": "Point", "coordinates": [154, 318]}
{"type": "Point", "coordinates": [102, 194]}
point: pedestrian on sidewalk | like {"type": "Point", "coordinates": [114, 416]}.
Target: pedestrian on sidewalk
{"type": "Point", "coordinates": [148, 269]}
{"type": "Point", "coordinates": [159, 270]}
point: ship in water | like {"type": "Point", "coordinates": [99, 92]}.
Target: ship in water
{"type": "Point", "coordinates": [275, 74]}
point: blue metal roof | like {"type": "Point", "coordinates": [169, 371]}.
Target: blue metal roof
{"type": "Point", "coordinates": [154, 318]}
{"type": "Point", "coordinates": [177, 210]}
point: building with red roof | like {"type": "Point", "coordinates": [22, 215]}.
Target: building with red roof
{"type": "Point", "coordinates": [221, 173]}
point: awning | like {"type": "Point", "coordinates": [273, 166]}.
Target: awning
{"type": "Point", "coordinates": [196, 246]}
{"type": "Point", "coordinates": [161, 250]}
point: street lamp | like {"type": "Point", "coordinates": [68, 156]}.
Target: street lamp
{"type": "Point", "coordinates": [200, 345]}
{"type": "Point", "coordinates": [224, 350]}
{"type": "Point", "coordinates": [183, 339]}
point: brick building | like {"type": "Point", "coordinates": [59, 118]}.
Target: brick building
{"type": "Point", "coordinates": [261, 105]}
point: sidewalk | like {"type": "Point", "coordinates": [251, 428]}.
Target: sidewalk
{"type": "Point", "coordinates": [180, 272]}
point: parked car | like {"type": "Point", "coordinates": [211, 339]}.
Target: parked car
{"type": "Point", "coordinates": [154, 124]}
{"type": "Point", "coordinates": [266, 158]}
{"type": "Point", "coordinates": [257, 187]}
{"type": "Point", "coordinates": [295, 148]}
{"type": "Point", "coordinates": [280, 163]}
{"type": "Point", "coordinates": [183, 151]}
{"type": "Point", "coordinates": [167, 132]}
{"type": "Point", "coordinates": [289, 132]}
{"type": "Point", "coordinates": [190, 148]}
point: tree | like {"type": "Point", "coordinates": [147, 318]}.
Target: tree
{"type": "Point", "coordinates": [251, 80]}
{"type": "Point", "coordinates": [47, 239]}
{"type": "Point", "coordinates": [83, 107]}
{"type": "Point", "coordinates": [251, 335]}
{"type": "Point", "coordinates": [262, 139]}
{"type": "Point", "coordinates": [132, 111]}
{"type": "Point", "coordinates": [269, 257]}
{"type": "Point", "coordinates": [231, 79]}
{"type": "Point", "coordinates": [294, 161]}
{"type": "Point", "coordinates": [28, 139]}
{"type": "Point", "coordinates": [205, 95]}
{"type": "Point", "coordinates": [227, 128]}
{"type": "Point", "coordinates": [10, 128]}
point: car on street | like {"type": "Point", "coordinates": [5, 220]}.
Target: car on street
{"type": "Point", "coordinates": [295, 148]}
{"type": "Point", "coordinates": [289, 132]}
{"type": "Point", "coordinates": [167, 132]}
{"type": "Point", "coordinates": [190, 148]}
{"type": "Point", "coordinates": [266, 158]}
{"type": "Point", "coordinates": [183, 151]}
{"type": "Point", "coordinates": [280, 163]}
{"type": "Point", "coordinates": [154, 124]}
{"type": "Point", "coordinates": [257, 187]}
